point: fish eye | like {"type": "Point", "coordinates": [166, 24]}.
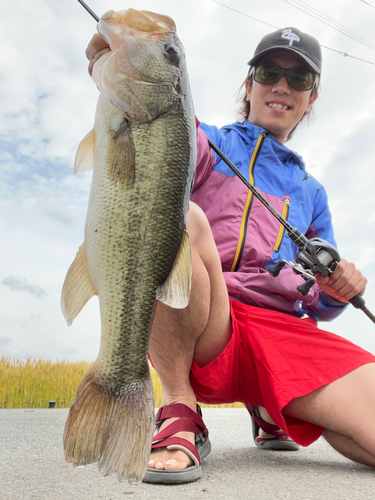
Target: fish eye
{"type": "Point", "coordinates": [172, 53]}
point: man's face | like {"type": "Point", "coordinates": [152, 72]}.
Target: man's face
{"type": "Point", "coordinates": [278, 107]}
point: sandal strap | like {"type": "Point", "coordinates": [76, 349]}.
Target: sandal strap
{"type": "Point", "coordinates": [189, 420]}
{"type": "Point", "coordinates": [180, 410]}
{"type": "Point", "coordinates": [181, 425]}
{"type": "Point", "coordinates": [281, 436]}
{"type": "Point", "coordinates": [177, 443]}
{"type": "Point", "coordinates": [272, 429]}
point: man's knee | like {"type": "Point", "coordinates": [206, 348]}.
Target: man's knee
{"type": "Point", "coordinates": [197, 223]}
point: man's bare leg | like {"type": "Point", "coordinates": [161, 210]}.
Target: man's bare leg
{"type": "Point", "coordinates": [201, 331]}
{"type": "Point", "coordinates": [346, 410]}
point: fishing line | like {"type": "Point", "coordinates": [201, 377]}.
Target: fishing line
{"type": "Point", "coordinates": [329, 22]}
{"type": "Point", "coordinates": [345, 54]}
{"type": "Point", "coordinates": [251, 17]}
{"type": "Point", "coordinates": [368, 4]}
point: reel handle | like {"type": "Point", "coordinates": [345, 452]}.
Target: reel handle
{"type": "Point", "coordinates": [305, 287]}
{"type": "Point", "coordinates": [276, 268]}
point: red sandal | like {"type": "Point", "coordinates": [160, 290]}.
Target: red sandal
{"type": "Point", "coordinates": [188, 421]}
{"type": "Point", "coordinates": [279, 439]}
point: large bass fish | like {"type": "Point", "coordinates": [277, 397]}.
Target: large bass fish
{"type": "Point", "coordinates": [136, 248]}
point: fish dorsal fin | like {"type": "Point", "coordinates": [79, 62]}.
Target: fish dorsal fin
{"type": "Point", "coordinates": [77, 288]}
{"type": "Point", "coordinates": [175, 291]}
{"type": "Point", "coordinates": [121, 155]}
{"type": "Point", "coordinates": [84, 160]}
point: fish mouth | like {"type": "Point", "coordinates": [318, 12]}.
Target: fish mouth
{"type": "Point", "coordinates": [140, 23]}
{"type": "Point", "coordinates": [127, 32]}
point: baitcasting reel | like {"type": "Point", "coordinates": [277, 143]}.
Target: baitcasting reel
{"type": "Point", "coordinates": [316, 256]}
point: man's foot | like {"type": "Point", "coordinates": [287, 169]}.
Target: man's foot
{"type": "Point", "coordinates": [266, 434]}
{"type": "Point", "coordinates": [161, 458]}
{"type": "Point", "coordinates": [178, 445]}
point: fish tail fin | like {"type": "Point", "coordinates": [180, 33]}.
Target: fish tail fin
{"type": "Point", "coordinates": [113, 430]}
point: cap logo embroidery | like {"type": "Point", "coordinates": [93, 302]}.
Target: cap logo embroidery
{"type": "Point", "coordinates": [289, 35]}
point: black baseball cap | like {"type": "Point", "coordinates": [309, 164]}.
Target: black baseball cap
{"type": "Point", "coordinates": [292, 39]}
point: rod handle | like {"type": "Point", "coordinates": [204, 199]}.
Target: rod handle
{"type": "Point", "coordinates": [358, 301]}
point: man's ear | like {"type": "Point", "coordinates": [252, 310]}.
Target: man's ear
{"type": "Point", "coordinates": [311, 102]}
{"type": "Point", "coordinates": [248, 91]}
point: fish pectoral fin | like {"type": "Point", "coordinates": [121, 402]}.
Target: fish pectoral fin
{"type": "Point", "coordinates": [77, 288]}
{"type": "Point", "coordinates": [121, 155]}
{"type": "Point", "coordinates": [84, 160]}
{"type": "Point", "coordinates": [175, 291]}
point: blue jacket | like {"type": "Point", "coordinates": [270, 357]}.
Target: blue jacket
{"type": "Point", "coordinates": [248, 237]}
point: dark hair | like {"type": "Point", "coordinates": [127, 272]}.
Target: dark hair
{"type": "Point", "coordinates": [244, 110]}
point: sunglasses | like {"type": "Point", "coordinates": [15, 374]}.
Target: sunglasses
{"type": "Point", "coordinates": [297, 78]}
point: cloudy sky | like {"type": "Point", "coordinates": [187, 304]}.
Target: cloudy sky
{"type": "Point", "coordinates": [47, 104]}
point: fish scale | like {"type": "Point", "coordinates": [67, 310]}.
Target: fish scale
{"type": "Point", "coordinates": [131, 263]}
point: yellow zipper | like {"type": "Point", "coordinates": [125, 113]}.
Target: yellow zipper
{"type": "Point", "coordinates": [286, 205]}
{"type": "Point", "coordinates": [250, 196]}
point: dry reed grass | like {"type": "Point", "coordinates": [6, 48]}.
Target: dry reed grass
{"type": "Point", "coordinates": [35, 382]}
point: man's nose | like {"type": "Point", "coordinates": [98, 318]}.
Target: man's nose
{"type": "Point", "coordinates": [281, 87]}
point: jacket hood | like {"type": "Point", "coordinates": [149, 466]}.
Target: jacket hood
{"type": "Point", "coordinates": [250, 132]}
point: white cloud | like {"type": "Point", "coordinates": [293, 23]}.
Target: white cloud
{"type": "Point", "coordinates": [19, 283]}
{"type": "Point", "coordinates": [4, 341]}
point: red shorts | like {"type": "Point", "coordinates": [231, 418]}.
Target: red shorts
{"type": "Point", "coordinates": [272, 358]}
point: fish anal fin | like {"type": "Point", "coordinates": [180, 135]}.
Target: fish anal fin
{"type": "Point", "coordinates": [84, 160]}
{"type": "Point", "coordinates": [114, 430]}
{"type": "Point", "coordinates": [175, 291]}
{"type": "Point", "coordinates": [77, 288]}
{"type": "Point", "coordinates": [121, 155]}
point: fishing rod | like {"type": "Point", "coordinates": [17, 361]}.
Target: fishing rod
{"type": "Point", "coordinates": [89, 10]}
{"type": "Point", "coordinates": [315, 255]}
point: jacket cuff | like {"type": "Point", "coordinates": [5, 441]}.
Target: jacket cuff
{"type": "Point", "coordinates": [330, 301]}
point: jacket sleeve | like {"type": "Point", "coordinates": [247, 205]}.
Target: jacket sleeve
{"type": "Point", "coordinates": [206, 158]}
{"type": "Point", "coordinates": [322, 307]}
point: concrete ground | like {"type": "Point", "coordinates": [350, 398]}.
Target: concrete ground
{"type": "Point", "coordinates": [32, 466]}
